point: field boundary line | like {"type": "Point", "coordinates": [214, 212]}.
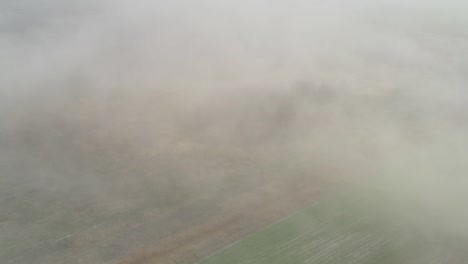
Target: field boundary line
{"type": "Point", "coordinates": [200, 261]}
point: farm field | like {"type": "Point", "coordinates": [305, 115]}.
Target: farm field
{"type": "Point", "coordinates": [62, 227]}
{"type": "Point", "coordinates": [349, 228]}
{"type": "Point", "coordinates": [233, 132]}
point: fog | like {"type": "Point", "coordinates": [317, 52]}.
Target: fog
{"type": "Point", "coordinates": [107, 107]}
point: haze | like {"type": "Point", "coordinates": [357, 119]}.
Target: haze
{"type": "Point", "coordinates": [129, 127]}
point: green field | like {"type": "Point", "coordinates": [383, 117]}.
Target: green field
{"type": "Point", "coordinates": [351, 228]}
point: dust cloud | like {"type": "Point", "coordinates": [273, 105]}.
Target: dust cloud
{"type": "Point", "coordinates": [108, 106]}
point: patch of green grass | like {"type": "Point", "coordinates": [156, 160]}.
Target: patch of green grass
{"type": "Point", "coordinates": [356, 228]}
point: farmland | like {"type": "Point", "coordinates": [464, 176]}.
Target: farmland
{"type": "Point", "coordinates": [234, 205]}
{"type": "Point", "coordinates": [233, 132]}
{"type": "Point", "coordinates": [346, 229]}
{"type": "Point", "coordinates": [97, 200]}
{"type": "Point", "coordinates": [65, 225]}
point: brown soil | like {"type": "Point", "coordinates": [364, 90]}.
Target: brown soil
{"type": "Point", "coordinates": [239, 216]}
